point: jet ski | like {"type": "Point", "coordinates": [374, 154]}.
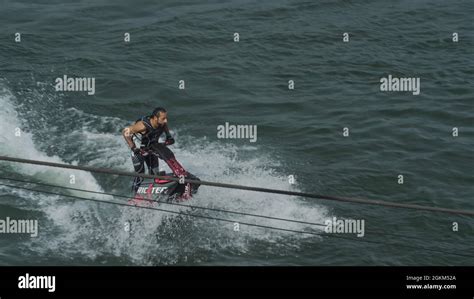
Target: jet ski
{"type": "Point", "coordinates": [166, 189]}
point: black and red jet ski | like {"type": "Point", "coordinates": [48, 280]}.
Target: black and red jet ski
{"type": "Point", "coordinates": [166, 189]}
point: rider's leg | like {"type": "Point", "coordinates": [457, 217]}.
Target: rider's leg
{"type": "Point", "coordinates": [153, 163]}
{"type": "Point", "coordinates": [167, 155]}
{"type": "Point", "coordinates": [139, 166]}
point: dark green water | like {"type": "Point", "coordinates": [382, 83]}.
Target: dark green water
{"type": "Point", "coordinates": [245, 82]}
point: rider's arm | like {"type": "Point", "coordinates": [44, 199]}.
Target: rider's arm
{"type": "Point", "coordinates": [127, 133]}
{"type": "Point", "coordinates": [167, 132]}
{"type": "Point", "coordinates": [169, 138]}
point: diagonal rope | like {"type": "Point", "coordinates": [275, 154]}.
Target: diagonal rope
{"type": "Point", "coordinates": [249, 188]}
{"type": "Point", "coordinates": [375, 232]}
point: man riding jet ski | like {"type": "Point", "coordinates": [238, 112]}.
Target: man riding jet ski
{"type": "Point", "coordinates": [148, 130]}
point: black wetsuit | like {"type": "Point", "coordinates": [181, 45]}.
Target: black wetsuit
{"type": "Point", "coordinates": [148, 140]}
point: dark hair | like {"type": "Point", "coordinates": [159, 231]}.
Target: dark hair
{"type": "Point", "coordinates": [158, 110]}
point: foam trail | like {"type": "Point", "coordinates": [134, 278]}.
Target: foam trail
{"type": "Point", "coordinates": [23, 146]}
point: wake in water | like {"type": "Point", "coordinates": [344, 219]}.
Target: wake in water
{"type": "Point", "coordinates": [106, 234]}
